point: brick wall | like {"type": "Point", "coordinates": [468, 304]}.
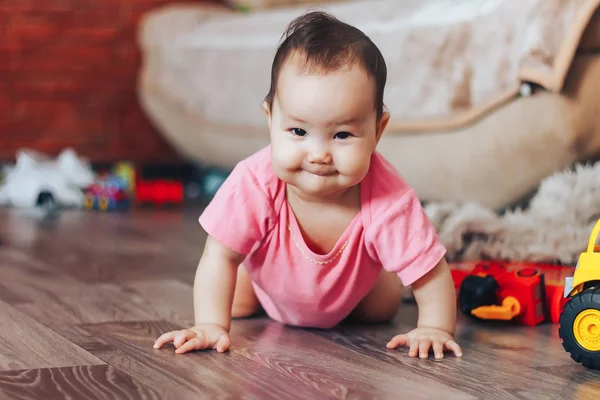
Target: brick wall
{"type": "Point", "coordinates": [68, 72]}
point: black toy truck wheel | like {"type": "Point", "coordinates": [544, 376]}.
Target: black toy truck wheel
{"type": "Point", "coordinates": [579, 328]}
{"type": "Point", "coordinates": [476, 291]}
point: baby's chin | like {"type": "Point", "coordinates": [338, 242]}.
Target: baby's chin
{"type": "Point", "coordinates": [319, 185]}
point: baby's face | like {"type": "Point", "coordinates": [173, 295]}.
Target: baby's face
{"type": "Point", "coordinates": [324, 129]}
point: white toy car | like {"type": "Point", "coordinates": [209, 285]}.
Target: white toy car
{"type": "Point", "coordinates": [38, 180]}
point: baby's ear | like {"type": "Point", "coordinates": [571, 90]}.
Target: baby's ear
{"type": "Point", "coordinates": [383, 121]}
{"type": "Point", "coordinates": [267, 112]}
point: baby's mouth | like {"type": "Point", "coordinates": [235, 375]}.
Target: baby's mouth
{"type": "Point", "coordinates": [322, 172]}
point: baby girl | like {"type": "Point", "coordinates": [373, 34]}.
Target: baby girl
{"type": "Point", "coordinates": [318, 227]}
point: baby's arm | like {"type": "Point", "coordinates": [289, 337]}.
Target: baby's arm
{"type": "Point", "coordinates": [214, 287]}
{"type": "Point", "coordinates": [436, 299]}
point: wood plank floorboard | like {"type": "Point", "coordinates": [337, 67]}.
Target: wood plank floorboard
{"type": "Point", "coordinates": [212, 375]}
{"type": "Point", "coordinates": [483, 373]}
{"type": "Point", "coordinates": [84, 296]}
{"type": "Point", "coordinates": [78, 382]}
{"type": "Point", "coordinates": [25, 279]}
{"type": "Point", "coordinates": [27, 344]}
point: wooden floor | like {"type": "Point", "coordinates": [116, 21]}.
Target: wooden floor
{"type": "Point", "coordinates": [83, 297]}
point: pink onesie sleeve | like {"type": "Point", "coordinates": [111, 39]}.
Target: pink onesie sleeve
{"type": "Point", "coordinates": [403, 239]}
{"type": "Point", "coordinates": [240, 214]}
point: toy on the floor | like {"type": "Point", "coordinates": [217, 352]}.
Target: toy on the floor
{"type": "Point", "coordinates": [522, 292]}
{"type": "Point", "coordinates": [580, 320]}
{"type": "Point", "coordinates": [126, 171]}
{"type": "Point", "coordinates": [159, 192]}
{"type": "Point", "coordinates": [212, 181]}
{"type": "Point", "coordinates": [38, 180]}
{"type": "Point", "coordinates": [107, 194]}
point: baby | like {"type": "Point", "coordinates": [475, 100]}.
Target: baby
{"type": "Point", "coordinates": [323, 227]}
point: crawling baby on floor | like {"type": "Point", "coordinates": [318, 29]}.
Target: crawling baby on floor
{"type": "Point", "coordinates": [318, 227]}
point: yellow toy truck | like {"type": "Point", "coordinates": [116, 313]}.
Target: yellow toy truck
{"type": "Point", "coordinates": [579, 322]}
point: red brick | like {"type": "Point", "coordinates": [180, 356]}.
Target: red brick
{"type": "Point", "coordinates": [34, 36]}
{"type": "Point", "coordinates": [42, 91]}
{"type": "Point", "coordinates": [35, 23]}
{"type": "Point", "coordinates": [75, 17]}
{"type": "Point", "coordinates": [6, 108]}
{"type": "Point", "coordinates": [63, 58]}
{"type": "Point", "coordinates": [55, 89]}
{"type": "Point", "coordinates": [42, 111]}
{"type": "Point", "coordinates": [46, 84]}
{"type": "Point", "coordinates": [66, 27]}
{"type": "Point", "coordinates": [26, 5]}
{"type": "Point", "coordinates": [36, 33]}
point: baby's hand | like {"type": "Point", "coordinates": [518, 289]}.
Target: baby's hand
{"type": "Point", "coordinates": [199, 337]}
{"type": "Point", "coordinates": [420, 340]}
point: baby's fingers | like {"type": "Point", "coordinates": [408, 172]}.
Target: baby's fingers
{"type": "Point", "coordinates": [453, 346]}
{"type": "Point", "coordinates": [438, 349]}
{"type": "Point", "coordinates": [414, 348]}
{"type": "Point", "coordinates": [199, 343]}
{"type": "Point", "coordinates": [223, 343]}
{"type": "Point", "coordinates": [424, 347]}
{"type": "Point", "coordinates": [164, 338]}
{"type": "Point", "coordinates": [183, 336]}
{"type": "Point", "coordinates": [398, 340]}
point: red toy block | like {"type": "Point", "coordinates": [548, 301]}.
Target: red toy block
{"type": "Point", "coordinates": [159, 192]}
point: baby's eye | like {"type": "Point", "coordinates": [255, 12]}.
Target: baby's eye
{"type": "Point", "coordinates": [342, 135]}
{"type": "Point", "coordinates": [298, 131]}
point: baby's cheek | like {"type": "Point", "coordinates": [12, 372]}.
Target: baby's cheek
{"type": "Point", "coordinates": [281, 154]}
{"type": "Point", "coordinates": [357, 164]}
{"type": "Point", "coordinates": [285, 163]}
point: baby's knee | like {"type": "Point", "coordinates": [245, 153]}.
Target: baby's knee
{"type": "Point", "coordinates": [385, 312]}
{"type": "Point", "coordinates": [382, 303]}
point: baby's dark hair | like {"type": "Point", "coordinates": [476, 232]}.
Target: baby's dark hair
{"type": "Point", "coordinates": [327, 44]}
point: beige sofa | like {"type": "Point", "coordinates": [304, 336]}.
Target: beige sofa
{"type": "Point", "coordinates": [492, 151]}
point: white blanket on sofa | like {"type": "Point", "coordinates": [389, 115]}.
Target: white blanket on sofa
{"type": "Point", "coordinates": [448, 61]}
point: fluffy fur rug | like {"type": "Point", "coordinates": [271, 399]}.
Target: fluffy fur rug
{"type": "Point", "coordinates": [554, 227]}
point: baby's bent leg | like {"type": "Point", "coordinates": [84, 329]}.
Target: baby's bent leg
{"type": "Point", "coordinates": [245, 302]}
{"type": "Point", "coordinates": [382, 302]}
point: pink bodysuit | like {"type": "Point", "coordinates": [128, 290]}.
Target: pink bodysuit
{"type": "Point", "coordinates": [250, 215]}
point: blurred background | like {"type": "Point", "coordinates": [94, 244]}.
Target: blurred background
{"type": "Point", "coordinates": [489, 99]}
{"type": "Point", "coordinates": [69, 71]}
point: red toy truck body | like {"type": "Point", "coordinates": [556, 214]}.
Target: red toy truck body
{"type": "Point", "coordinates": [526, 293]}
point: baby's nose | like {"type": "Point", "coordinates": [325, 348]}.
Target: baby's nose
{"type": "Point", "coordinates": [319, 156]}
